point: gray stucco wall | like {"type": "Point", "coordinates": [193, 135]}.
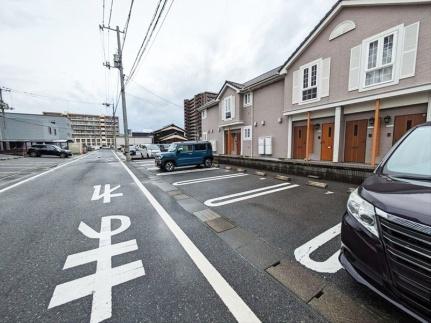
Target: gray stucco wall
{"type": "Point", "coordinates": [228, 92]}
{"type": "Point", "coordinates": [369, 21]}
{"type": "Point", "coordinates": [210, 126]}
{"type": "Point", "coordinates": [21, 127]}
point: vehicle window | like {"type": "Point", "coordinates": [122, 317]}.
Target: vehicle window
{"type": "Point", "coordinates": [200, 147]}
{"type": "Point", "coordinates": [186, 148]}
{"type": "Point", "coordinates": [412, 158]}
{"type": "Point", "coordinates": [172, 147]}
{"type": "Point", "coordinates": [153, 147]}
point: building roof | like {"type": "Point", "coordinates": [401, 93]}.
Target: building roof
{"type": "Point", "coordinates": [262, 77]}
{"type": "Point", "coordinates": [208, 105]}
{"type": "Point", "coordinates": [167, 127]}
{"type": "Point", "coordinates": [339, 4]}
{"type": "Point", "coordinates": [173, 136]}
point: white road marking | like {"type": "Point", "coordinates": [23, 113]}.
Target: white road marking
{"type": "Point", "coordinates": [207, 179]}
{"type": "Point", "coordinates": [233, 198]}
{"type": "Point", "coordinates": [331, 265]}
{"type": "Point", "coordinates": [152, 168]}
{"type": "Point", "coordinates": [329, 192]}
{"type": "Point", "coordinates": [227, 294]}
{"type": "Point", "coordinates": [107, 193]}
{"type": "Point", "coordinates": [187, 171]}
{"type": "Point", "coordinates": [101, 282]}
{"type": "Point", "coordinates": [41, 174]}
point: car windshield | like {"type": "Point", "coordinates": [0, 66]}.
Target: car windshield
{"type": "Point", "coordinates": [412, 158]}
{"type": "Point", "coordinates": [172, 147]}
{"type": "Point", "coordinates": [153, 147]}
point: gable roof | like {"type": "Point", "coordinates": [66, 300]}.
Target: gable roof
{"type": "Point", "coordinates": [170, 126]}
{"type": "Point", "coordinates": [336, 8]}
{"type": "Point", "coordinates": [208, 105]}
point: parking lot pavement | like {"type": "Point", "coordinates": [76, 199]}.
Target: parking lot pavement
{"type": "Point", "coordinates": [15, 170]}
{"type": "Point", "coordinates": [287, 228]}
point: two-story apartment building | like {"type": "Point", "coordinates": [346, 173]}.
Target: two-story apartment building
{"type": "Point", "coordinates": [351, 89]}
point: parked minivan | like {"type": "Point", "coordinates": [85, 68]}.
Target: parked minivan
{"type": "Point", "coordinates": [386, 229]}
{"type": "Point", "coordinates": [185, 154]}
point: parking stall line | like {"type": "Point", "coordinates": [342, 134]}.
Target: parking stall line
{"type": "Point", "coordinates": [235, 304]}
{"type": "Point", "coordinates": [152, 168]}
{"type": "Point", "coordinates": [208, 179]}
{"type": "Point", "coordinates": [187, 171]}
{"type": "Point", "coordinates": [41, 174]}
{"type": "Point", "coordinates": [237, 197]}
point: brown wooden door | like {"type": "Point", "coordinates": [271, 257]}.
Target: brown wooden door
{"type": "Point", "coordinates": [327, 141]}
{"type": "Point", "coordinates": [232, 142]}
{"type": "Point", "coordinates": [299, 142]}
{"type": "Point", "coordinates": [403, 123]}
{"type": "Point", "coordinates": [355, 141]}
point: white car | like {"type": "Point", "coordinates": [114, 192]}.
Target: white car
{"type": "Point", "coordinates": [152, 150]}
{"type": "Point", "coordinates": [136, 151]}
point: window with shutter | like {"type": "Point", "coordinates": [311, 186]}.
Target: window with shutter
{"type": "Point", "coordinates": [410, 47]}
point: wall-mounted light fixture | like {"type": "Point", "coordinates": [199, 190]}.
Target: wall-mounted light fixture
{"type": "Point", "coordinates": [387, 119]}
{"type": "Point", "coordinates": [262, 122]}
{"type": "Point", "coordinates": [255, 123]}
{"type": "Point", "coordinates": [280, 120]}
{"type": "Point", "coordinates": [371, 121]}
{"type": "Point", "coordinates": [317, 126]}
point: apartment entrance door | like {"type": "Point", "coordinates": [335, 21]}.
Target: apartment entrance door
{"type": "Point", "coordinates": [355, 141]}
{"type": "Point", "coordinates": [327, 141]}
{"type": "Point", "coordinates": [403, 123]}
{"type": "Point", "coordinates": [232, 142]}
{"type": "Point", "coordinates": [299, 142]}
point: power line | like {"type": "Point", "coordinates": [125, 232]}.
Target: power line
{"type": "Point", "coordinates": [126, 26]}
{"type": "Point", "coordinates": [110, 13]}
{"type": "Point", "coordinates": [148, 34]}
{"type": "Point", "coordinates": [51, 97]}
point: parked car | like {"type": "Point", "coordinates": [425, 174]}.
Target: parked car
{"type": "Point", "coordinates": [386, 230]}
{"type": "Point", "coordinates": [138, 151]}
{"type": "Point", "coordinates": [50, 150]}
{"type": "Point", "coordinates": [152, 150]}
{"type": "Point", "coordinates": [163, 147]}
{"type": "Point", "coordinates": [185, 154]}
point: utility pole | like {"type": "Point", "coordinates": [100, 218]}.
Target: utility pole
{"type": "Point", "coordinates": [3, 106]}
{"type": "Point", "coordinates": [114, 129]}
{"type": "Point", "coordinates": [118, 63]}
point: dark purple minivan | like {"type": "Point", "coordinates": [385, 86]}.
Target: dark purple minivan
{"type": "Point", "coordinates": [386, 229]}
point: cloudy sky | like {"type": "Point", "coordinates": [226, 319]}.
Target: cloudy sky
{"type": "Point", "coordinates": [54, 48]}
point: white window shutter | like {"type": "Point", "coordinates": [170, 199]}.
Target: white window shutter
{"type": "Point", "coordinates": [324, 78]}
{"type": "Point", "coordinates": [295, 87]}
{"type": "Point", "coordinates": [232, 106]}
{"type": "Point", "coordinates": [268, 145]}
{"type": "Point", "coordinates": [409, 50]}
{"type": "Point", "coordinates": [261, 146]}
{"type": "Point", "coordinates": [355, 68]}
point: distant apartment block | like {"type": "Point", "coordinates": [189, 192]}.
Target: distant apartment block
{"type": "Point", "coordinates": [169, 134]}
{"type": "Point", "coordinates": [91, 129]}
{"type": "Point", "coordinates": [192, 117]}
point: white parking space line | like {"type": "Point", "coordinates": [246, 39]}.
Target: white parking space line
{"type": "Point", "coordinates": [152, 168]}
{"type": "Point", "coordinates": [232, 198]}
{"type": "Point", "coordinates": [41, 174]}
{"type": "Point", "coordinates": [330, 265]}
{"type": "Point", "coordinates": [187, 171]}
{"type": "Point", "coordinates": [235, 304]}
{"type": "Point", "coordinates": [208, 179]}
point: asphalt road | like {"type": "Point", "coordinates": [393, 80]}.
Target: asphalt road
{"type": "Point", "coordinates": [71, 253]}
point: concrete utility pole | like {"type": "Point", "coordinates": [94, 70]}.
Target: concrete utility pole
{"type": "Point", "coordinates": [3, 106]}
{"type": "Point", "coordinates": [114, 129]}
{"type": "Point", "coordinates": [118, 63]}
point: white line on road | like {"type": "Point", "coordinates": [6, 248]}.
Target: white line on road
{"type": "Point", "coordinates": [187, 171]}
{"type": "Point", "coordinates": [232, 198]}
{"type": "Point", "coordinates": [208, 179]}
{"type": "Point", "coordinates": [227, 294]}
{"type": "Point", "coordinates": [331, 265]}
{"type": "Point", "coordinates": [152, 168]}
{"type": "Point", "coordinates": [41, 174]}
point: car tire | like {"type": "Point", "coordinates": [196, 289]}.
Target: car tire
{"type": "Point", "coordinates": [63, 155]}
{"type": "Point", "coordinates": [33, 154]}
{"type": "Point", "coordinates": [142, 156]}
{"type": "Point", "coordinates": [208, 162]}
{"type": "Point", "coordinates": [169, 166]}
{"type": "Point", "coordinates": [148, 156]}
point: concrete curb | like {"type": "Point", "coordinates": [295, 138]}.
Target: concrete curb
{"type": "Point", "coordinates": [317, 184]}
{"type": "Point", "coordinates": [283, 178]}
{"type": "Point", "coordinates": [258, 173]}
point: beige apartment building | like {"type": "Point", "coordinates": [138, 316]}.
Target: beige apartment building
{"type": "Point", "coordinates": [91, 129]}
{"type": "Point", "coordinates": [350, 90]}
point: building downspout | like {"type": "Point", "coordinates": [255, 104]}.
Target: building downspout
{"type": "Point", "coordinates": [252, 125]}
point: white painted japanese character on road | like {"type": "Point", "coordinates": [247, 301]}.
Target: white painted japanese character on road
{"type": "Point", "coordinates": [107, 194]}
{"type": "Point", "coordinates": [100, 283]}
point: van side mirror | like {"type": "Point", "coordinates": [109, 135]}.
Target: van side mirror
{"type": "Point", "coordinates": [180, 149]}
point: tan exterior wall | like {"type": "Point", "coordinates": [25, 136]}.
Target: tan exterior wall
{"type": "Point", "coordinates": [369, 21]}
{"type": "Point", "coordinates": [268, 107]}
{"type": "Point", "coordinates": [228, 92]}
{"type": "Point", "coordinates": [210, 126]}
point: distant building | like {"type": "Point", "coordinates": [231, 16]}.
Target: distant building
{"type": "Point", "coordinates": [18, 131]}
{"type": "Point", "coordinates": [91, 129]}
{"type": "Point", "coordinates": [136, 138]}
{"type": "Point", "coordinates": [192, 117]}
{"type": "Point", "coordinates": [169, 134]}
